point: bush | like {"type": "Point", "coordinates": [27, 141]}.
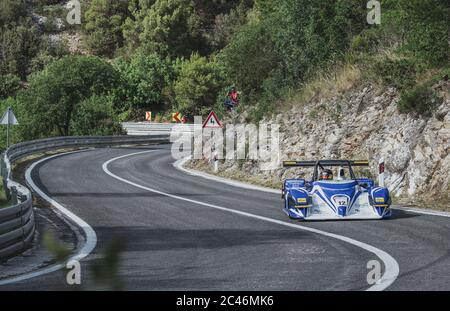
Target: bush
{"type": "Point", "coordinates": [226, 25]}
{"type": "Point", "coordinates": [9, 85]}
{"type": "Point", "coordinates": [96, 116]}
{"type": "Point", "coordinates": [250, 57]}
{"type": "Point", "coordinates": [49, 52]}
{"type": "Point", "coordinates": [420, 100]}
{"type": "Point", "coordinates": [18, 46]}
{"type": "Point", "coordinates": [399, 73]}
{"type": "Point", "coordinates": [420, 26]}
{"type": "Point", "coordinates": [12, 11]}
{"type": "Point", "coordinates": [429, 43]}
{"type": "Point", "coordinates": [167, 27]}
{"type": "Point", "coordinates": [367, 41]}
{"type": "Point", "coordinates": [144, 80]}
{"type": "Point", "coordinates": [197, 85]}
{"type": "Point", "coordinates": [102, 27]}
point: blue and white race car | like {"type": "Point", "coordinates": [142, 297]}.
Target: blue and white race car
{"type": "Point", "coordinates": [329, 198]}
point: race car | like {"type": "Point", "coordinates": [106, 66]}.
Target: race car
{"type": "Point", "coordinates": [327, 198]}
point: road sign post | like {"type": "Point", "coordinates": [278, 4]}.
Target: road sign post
{"type": "Point", "coordinates": [212, 122]}
{"type": "Point", "coordinates": [8, 119]}
{"type": "Point", "coordinates": [381, 173]}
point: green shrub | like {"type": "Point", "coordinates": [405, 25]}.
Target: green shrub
{"type": "Point", "coordinates": [19, 44]}
{"type": "Point", "coordinates": [197, 85]}
{"type": "Point", "coordinates": [102, 26]}
{"type": "Point", "coordinates": [399, 73]}
{"type": "Point", "coordinates": [420, 28]}
{"type": "Point", "coordinates": [420, 100]}
{"type": "Point", "coordinates": [167, 27]}
{"type": "Point", "coordinates": [4, 202]}
{"type": "Point", "coordinates": [144, 80]}
{"type": "Point", "coordinates": [250, 57]}
{"type": "Point", "coordinates": [12, 11]}
{"type": "Point", "coordinates": [226, 25]}
{"type": "Point", "coordinates": [96, 116]}
{"type": "Point", "coordinates": [366, 41]}
{"type": "Point", "coordinates": [9, 85]}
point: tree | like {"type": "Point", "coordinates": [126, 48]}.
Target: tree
{"type": "Point", "coordinates": [53, 94]}
{"type": "Point", "coordinates": [197, 84]}
{"type": "Point", "coordinates": [250, 56]}
{"type": "Point", "coordinates": [103, 22]}
{"type": "Point", "coordinates": [168, 27]}
{"type": "Point", "coordinates": [19, 44]}
{"type": "Point", "coordinates": [12, 11]}
{"type": "Point", "coordinates": [226, 25]}
{"type": "Point", "coordinates": [95, 116]}
{"type": "Point", "coordinates": [133, 25]}
{"type": "Point", "coordinates": [144, 79]}
{"type": "Point", "coordinates": [285, 42]}
{"type": "Point", "coordinates": [9, 85]}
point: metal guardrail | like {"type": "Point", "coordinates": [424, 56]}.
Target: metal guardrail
{"type": "Point", "coordinates": [149, 128]}
{"type": "Point", "coordinates": [17, 223]}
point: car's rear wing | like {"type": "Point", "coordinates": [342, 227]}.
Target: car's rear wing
{"type": "Point", "coordinates": [325, 163]}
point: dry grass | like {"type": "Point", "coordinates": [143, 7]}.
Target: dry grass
{"type": "Point", "coordinates": [327, 84]}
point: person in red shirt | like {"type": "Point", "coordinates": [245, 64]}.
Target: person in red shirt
{"type": "Point", "coordinates": [232, 99]}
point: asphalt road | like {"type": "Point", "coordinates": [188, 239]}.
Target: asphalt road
{"type": "Point", "coordinates": [171, 244]}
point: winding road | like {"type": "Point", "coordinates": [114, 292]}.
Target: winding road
{"type": "Point", "coordinates": [184, 232]}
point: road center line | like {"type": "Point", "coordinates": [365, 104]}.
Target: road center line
{"type": "Point", "coordinates": [391, 266]}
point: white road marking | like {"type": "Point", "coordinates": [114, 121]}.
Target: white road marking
{"type": "Point", "coordinates": [391, 266]}
{"type": "Point", "coordinates": [91, 237]}
{"type": "Point", "coordinates": [179, 165]}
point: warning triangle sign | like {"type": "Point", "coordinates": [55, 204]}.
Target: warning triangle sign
{"type": "Point", "coordinates": [212, 121]}
{"type": "Point", "coordinates": [9, 118]}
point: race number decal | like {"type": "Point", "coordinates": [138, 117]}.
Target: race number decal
{"type": "Point", "coordinates": [340, 200]}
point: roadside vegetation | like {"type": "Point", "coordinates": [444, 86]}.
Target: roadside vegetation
{"type": "Point", "coordinates": [184, 55]}
{"type": "Point", "coordinates": [4, 202]}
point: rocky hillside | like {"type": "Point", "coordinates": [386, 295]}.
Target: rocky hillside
{"type": "Point", "coordinates": [365, 123]}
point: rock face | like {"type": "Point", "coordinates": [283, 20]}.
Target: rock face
{"type": "Point", "coordinates": [365, 124]}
